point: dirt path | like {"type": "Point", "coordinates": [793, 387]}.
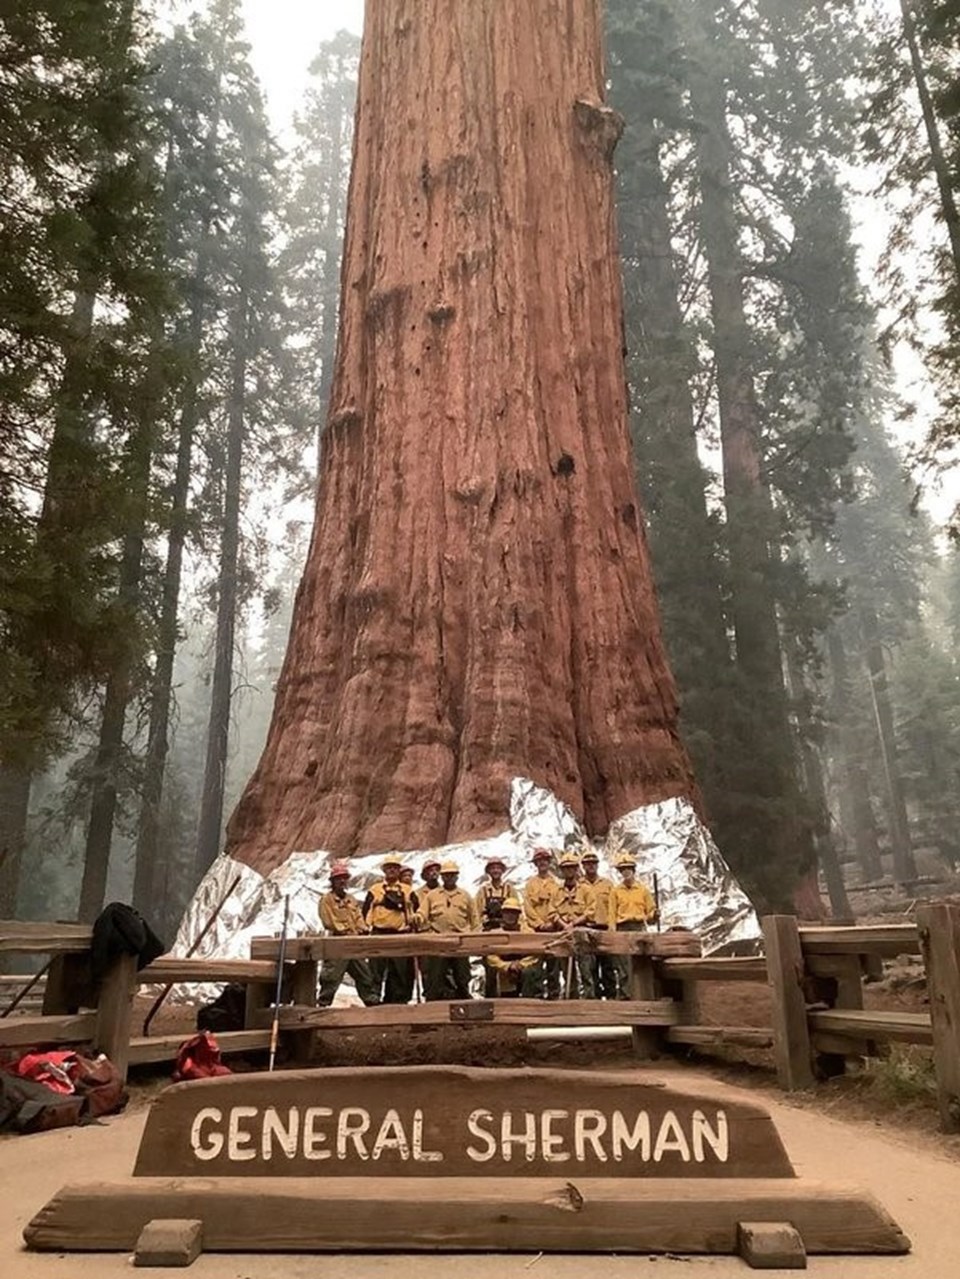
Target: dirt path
{"type": "Point", "coordinates": [918, 1185]}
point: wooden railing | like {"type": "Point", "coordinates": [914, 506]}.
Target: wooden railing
{"type": "Point", "coordinates": [815, 977]}
{"type": "Point", "coordinates": [814, 974]}
{"type": "Point", "coordinates": [72, 1012]}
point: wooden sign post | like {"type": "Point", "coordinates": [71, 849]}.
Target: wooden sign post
{"type": "Point", "coordinates": [558, 1161]}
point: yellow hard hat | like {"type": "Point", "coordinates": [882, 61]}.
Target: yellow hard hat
{"type": "Point", "coordinates": [390, 861]}
{"type": "Point", "coordinates": [511, 903]}
{"type": "Point", "coordinates": [449, 868]}
{"type": "Point", "coordinates": [569, 859]}
{"type": "Point", "coordinates": [625, 860]}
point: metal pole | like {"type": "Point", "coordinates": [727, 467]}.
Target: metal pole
{"type": "Point", "coordinates": [275, 1026]}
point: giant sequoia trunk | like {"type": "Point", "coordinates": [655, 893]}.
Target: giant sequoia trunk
{"type": "Point", "coordinates": [477, 600]}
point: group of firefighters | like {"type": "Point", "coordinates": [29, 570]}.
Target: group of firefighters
{"type": "Point", "coordinates": [581, 898]}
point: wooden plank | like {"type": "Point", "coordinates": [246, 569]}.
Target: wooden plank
{"type": "Point", "coordinates": [535, 1214]}
{"type": "Point", "coordinates": [720, 1036]}
{"type": "Point", "coordinates": [745, 968]}
{"type": "Point", "coordinates": [151, 1048]}
{"type": "Point", "coordinates": [888, 940]}
{"type": "Point", "coordinates": [19, 937]}
{"type": "Point", "coordinates": [318, 947]}
{"type": "Point", "coordinates": [481, 1012]}
{"type": "Point", "coordinates": [939, 927]}
{"type": "Point", "coordinates": [304, 992]}
{"type": "Point", "coordinates": [643, 988]}
{"type": "Point", "coordinates": [791, 1044]}
{"type": "Point", "coordinates": [907, 1028]}
{"type": "Point", "coordinates": [69, 984]}
{"type": "Point", "coordinates": [115, 1011]}
{"type": "Point", "coordinates": [78, 1028]}
{"type": "Point", "coordinates": [455, 1121]}
{"type": "Point", "coordinates": [842, 1045]}
{"type": "Point", "coordinates": [168, 968]}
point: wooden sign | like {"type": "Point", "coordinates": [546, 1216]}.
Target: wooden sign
{"type": "Point", "coordinates": [517, 1160]}
{"type": "Point", "coordinates": [452, 1122]}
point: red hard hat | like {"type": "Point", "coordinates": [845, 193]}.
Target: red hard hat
{"type": "Point", "coordinates": [339, 870]}
{"type": "Point", "coordinates": [495, 861]}
{"type": "Point", "coordinates": [542, 854]}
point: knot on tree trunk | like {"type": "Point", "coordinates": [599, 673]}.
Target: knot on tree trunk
{"type": "Point", "coordinates": [600, 124]}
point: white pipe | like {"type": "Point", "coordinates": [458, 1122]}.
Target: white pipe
{"type": "Point", "coordinates": [567, 1033]}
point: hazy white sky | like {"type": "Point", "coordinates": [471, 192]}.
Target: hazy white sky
{"type": "Point", "coordinates": [284, 35]}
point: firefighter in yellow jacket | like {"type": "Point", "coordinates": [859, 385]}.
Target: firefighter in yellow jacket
{"type": "Point", "coordinates": [448, 909]}
{"type": "Point", "coordinates": [598, 972]}
{"type": "Point", "coordinates": [390, 907]}
{"type": "Point", "coordinates": [630, 907]}
{"type": "Point", "coordinates": [341, 916]}
{"type": "Point", "coordinates": [513, 975]}
{"type": "Point", "coordinates": [572, 907]}
{"type": "Point", "coordinates": [492, 893]}
{"type": "Point", "coordinates": [538, 894]}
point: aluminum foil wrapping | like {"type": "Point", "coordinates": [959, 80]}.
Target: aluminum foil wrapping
{"type": "Point", "coordinates": [697, 889]}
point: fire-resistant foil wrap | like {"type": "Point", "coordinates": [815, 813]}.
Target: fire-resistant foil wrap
{"type": "Point", "coordinates": [696, 887]}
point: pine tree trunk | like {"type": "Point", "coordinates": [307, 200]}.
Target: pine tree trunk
{"type": "Point", "coordinates": [218, 734]}
{"type": "Point", "coordinates": [938, 160]}
{"type": "Point", "coordinates": [904, 867]}
{"type": "Point", "coordinates": [104, 790]}
{"type": "Point", "coordinates": [477, 601]}
{"type": "Point", "coordinates": [14, 809]}
{"type": "Point", "coordinates": [63, 516]}
{"type": "Point", "coordinates": [673, 480]}
{"type": "Point", "coordinates": [103, 796]}
{"type": "Point", "coordinates": [821, 832]}
{"type": "Point", "coordinates": [161, 689]}
{"type": "Point", "coordinates": [858, 819]}
{"type": "Point", "coordinates": [750, 519]}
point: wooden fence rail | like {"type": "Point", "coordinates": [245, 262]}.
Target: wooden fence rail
{"type": "Point", "coordinates": [814, 975]}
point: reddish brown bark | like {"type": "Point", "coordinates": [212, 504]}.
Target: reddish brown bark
{"type": "Point", "coordinates": [477, 601]}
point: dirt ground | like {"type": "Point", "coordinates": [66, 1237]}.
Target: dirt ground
{"type": "Point", "coordinates": [911, 1175]}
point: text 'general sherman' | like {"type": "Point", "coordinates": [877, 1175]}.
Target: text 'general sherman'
{"type": "Point", "coordinates": [241, 1134]}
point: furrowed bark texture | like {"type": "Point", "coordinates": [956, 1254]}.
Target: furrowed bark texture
{"type": "Point", "coordinates": [477, 601]}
